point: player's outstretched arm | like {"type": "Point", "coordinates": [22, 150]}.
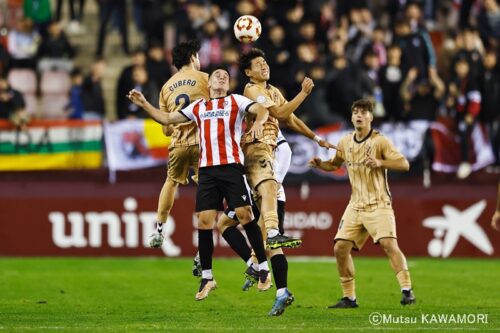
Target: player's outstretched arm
{"type": "Point", "coordinates": [284, 111]}
{"type": "Point", "coordinates": [399, 164]}
{"type": "Point", "coordinates": [262, 115]}
{"type": "Point", "coordinates": [300, 127]}
{"type": "Point", "coordinates": [330, 165]}
{"type": "Point", "coordinates": [163, 118]}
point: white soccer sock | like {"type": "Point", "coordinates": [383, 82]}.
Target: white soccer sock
{"type": "Point", "coordinates": [263, 266]}
{"type": "Point", "coordinates": [159, 227]}
{"type": "Point", "coordinates": [272, 232]}
{"type": "Point", "coordinates": [207, 274]}
{"type": "Point", "coordinates": [250, 262]}
{"type": "Point", "coordinates": [405, 289]}
{"type": "Point", "coordinates": [280, 292]}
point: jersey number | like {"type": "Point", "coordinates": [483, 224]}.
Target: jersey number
{"type": "Point", "coordinates": [184, 99]}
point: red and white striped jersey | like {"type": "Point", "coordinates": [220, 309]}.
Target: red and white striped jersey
{"type": "Point", "coordinates": [219, 122]}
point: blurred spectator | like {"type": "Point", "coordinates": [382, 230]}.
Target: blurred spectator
{"type": "Point", "coordinates": [125, 81]}
{"type": "Point", "coordinates": [378, 45]}
{"type": "Point", "coordinates": [12, 106]}
{"type": "Point", "coordinates": [490, 102]}
{"type": "Point", "coordinates": [150, 18]}
{"type": "Point", "coordinates": [75, 109]}
{"type": "Point", "coordinates": [464, 100]}
{"type": "Point", "coordinates": [390, 78]}
{"type": "Point", "coordinates": [4, 60]}
{"type": "Point", "coordinates": [92, 93]}
{"type": "Point", "coordinates": [211, 45]}
{"type": "Point", "coordinates": [314, 110]}
{"type": "Point", "coordinates": [108, 7]}
{"type": "Point", "coordinates": [421, 99]}
{"type": "Point", "coordinates": [359, 33]}
{"type": "Point", "coordinates": [55, 52]}
{"type": "Point", "coordinates": [141, 82]}
{"type": "Point", "coordinates": [370, 83]}
{"type": "Point", "coordinates": [489, 23]}
{"type": "Point", "coordinates": [343, 86]}
{"type": "Point", "coordinates": [40, 14]}
{"type": "Point", "coordinates": [292, 21]}
{"type": "Point", "coordinates": [74, 26]}
{"type": "Point", "coordinates": [415, 52]}
{"type": "Point", "coordinates": [23, 44]}
{"type": "Point", "coordinates": [157, 65]}
{"type": "Point", "coordinates": [279, 58]}
{"type": "Point", "coordinates": [230, 59]}
{"type": "Point", "coordinates": [470, 47]}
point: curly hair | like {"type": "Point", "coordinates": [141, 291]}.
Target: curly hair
{"type": "Point", "coordinates": [182, 53]}
{"type": "Point", "coordinates": [246, 59]}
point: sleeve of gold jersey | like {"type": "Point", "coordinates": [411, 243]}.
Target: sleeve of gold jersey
{"type": "Point", "coordinates": [387, 149]}
{"type": "Point", "coordinates": [164, 93]}
{"type": "Point", "coordinates": [259, 95]}
{"type": "Point", "coordinates": [339, 157]}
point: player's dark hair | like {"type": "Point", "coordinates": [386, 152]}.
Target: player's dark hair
{"type": "Point", "coordinates": [363, 104]}
{"type": "Point", "coordinates": [182, 53]}
{"type": "Point", "coordinates": [246, 59]}
{"type": "Point", "coordinates": [220, 67]}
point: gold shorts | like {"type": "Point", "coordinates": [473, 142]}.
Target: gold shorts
{"type": "Point", "coordinates": [180, 160]}
{"type": "Point", "coordinates": [356, 226]}
{"type": "Point", "coordinates": [259, 162]}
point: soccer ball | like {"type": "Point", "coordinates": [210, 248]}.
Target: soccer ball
{"type": "Point", "coordinates": [247, 29]}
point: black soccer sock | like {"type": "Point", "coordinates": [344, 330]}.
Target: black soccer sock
{"type": "Point", "coordinates": [280, 270]}
{"type": "Point", "coordinates": [205, 248]}
{"type": "Point", "coordinates": [238, 243]}
{"type": "Point", "coordinates": [254, 235]}
{"type": "Point", "coordinates": [281, 216]}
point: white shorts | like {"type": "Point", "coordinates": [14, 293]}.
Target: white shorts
{"type": "Point", "coordinates": [282, 160]}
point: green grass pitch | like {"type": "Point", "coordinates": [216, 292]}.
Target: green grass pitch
{"type": "Point", "coordinates": [157, 295]}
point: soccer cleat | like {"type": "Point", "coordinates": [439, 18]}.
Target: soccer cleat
{"type": "Point", "coordinates": [197, 266]}
{"type": "Point", "coordinates": [251, 277]}
{"type": "Point", "coordinates": [281, 303]}
{"type": "Point", "coordinates": [206, 286]}
{"type": "Point", "coordinates": [282, 241]}
{"type": "Point", "coordinates": [156, 240]}
{"type": "Point", "coordinates": [344, 303]}
{"type": "Point", "coordinates": [408, 297]}
{"type": "Point", "coordinates": [264, 280]}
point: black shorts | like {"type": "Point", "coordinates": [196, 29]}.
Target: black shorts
{"type": "Point", "coordinates": [221, 182]}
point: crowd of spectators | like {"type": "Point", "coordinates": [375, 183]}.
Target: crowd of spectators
{"type": "Point", "coordinates": [418, 60]}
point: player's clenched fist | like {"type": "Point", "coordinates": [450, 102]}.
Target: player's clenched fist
{"type": "Point", "coordinates": [319, 164]}
{"type": "Point", "coordinates": [372, 162]}
{"type": "Point", "coordinates": [137, 98]}
{"type": "Point", "coordinates": [307, 85]}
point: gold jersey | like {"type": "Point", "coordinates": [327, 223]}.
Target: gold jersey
{"type": "Point", "coordinates": [179, 91]}
{"type": "Point", "coordinates": [370, 189]}
{"type": "Point", "coordinates": [267, 97]}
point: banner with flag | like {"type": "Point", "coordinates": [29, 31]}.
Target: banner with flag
{"type": "Point", "coordinates": [44, 145]}
{"type": "Point", "coordinates": [135, 144]}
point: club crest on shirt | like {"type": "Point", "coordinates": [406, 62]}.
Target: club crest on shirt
{"type": "Point", "coordinates": [261, 99]}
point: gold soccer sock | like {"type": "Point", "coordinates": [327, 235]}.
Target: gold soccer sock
{"type": "Point", "coordinates": [271, 220]}
{"type": "Point", "coordinates": [404, 279]}
{"type": "Point", "coordinates": [348, 287]}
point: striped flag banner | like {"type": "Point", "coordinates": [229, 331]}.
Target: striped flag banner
{"type": "Point", "coordinates": [135, 144]}
{"type": "Point", "coordinates": [57, 144]}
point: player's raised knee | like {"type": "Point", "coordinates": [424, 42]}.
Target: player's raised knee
{"type": "Point", "coordinates": [244, 214]}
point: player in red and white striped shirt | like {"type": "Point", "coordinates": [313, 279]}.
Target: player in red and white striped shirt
{"type": "Point", "coordinates": [221, 174]}
{"type": "Point", "coordinates": [219, 122]}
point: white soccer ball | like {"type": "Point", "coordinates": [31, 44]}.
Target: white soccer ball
{"type": "Point", "coordinates": [247, 29]}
